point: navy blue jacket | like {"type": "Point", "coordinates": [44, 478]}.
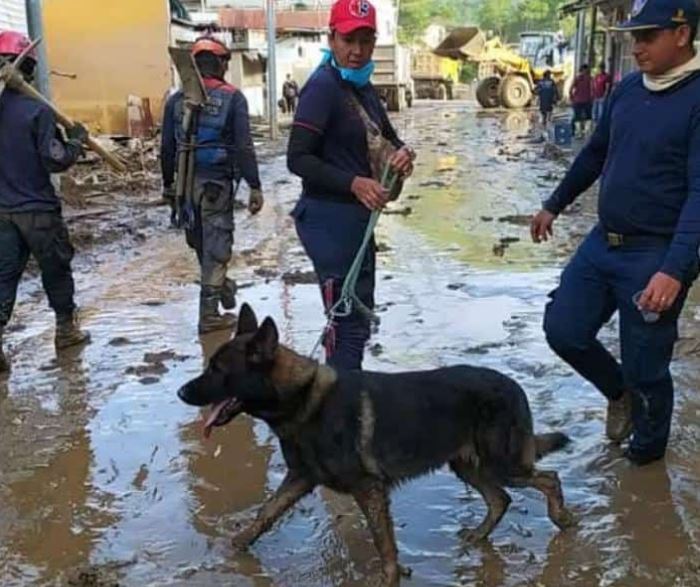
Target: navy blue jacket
{"type": "Point", "coordinates": [225, 148]}
{"type": "Point", "coordinates": [328, 145]}
{"type": "Point", "coordinates": [31, 149]}
{"type": "Point", "coordinates": [646, 151]}
{"type": "Point", "coordinates": [548, 94]}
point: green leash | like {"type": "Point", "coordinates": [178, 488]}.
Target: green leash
{"type": "Point", "coordinates": [349, 300]}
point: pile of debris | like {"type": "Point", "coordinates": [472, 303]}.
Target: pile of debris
{"type": "Point", "coordinates": [91, 178]}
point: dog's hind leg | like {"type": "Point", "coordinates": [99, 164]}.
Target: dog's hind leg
{"type": "Point", "coordinates": [292, 489]}
{"type": "Point", "coordinates": [496, 498]}
{"type": "Point", "coordinates": [373, 500]}
{"type": "Point", "coordinates": [547, 482]}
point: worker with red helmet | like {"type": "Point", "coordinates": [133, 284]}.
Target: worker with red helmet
{"type": "Point", "coordinates": [224, 154]}
{"type": "Point", "coordinates": [32, 148]}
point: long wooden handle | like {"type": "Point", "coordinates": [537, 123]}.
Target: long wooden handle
{"type": "Point", "coordinates": [19, 84]}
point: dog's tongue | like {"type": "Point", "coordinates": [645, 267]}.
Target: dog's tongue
{"type": "Point", "coordinates": [213, 415]}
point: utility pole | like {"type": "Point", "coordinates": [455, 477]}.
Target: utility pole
{"type": "Point", "coordinates": [272, 68]}
{"type": "Point", "coordinates": [36, 31]}
{"type": "Point", "coordinates": [591, 42]}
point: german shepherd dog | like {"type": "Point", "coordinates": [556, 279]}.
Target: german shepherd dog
{"type": "Point", "coordinates": [363, 433]}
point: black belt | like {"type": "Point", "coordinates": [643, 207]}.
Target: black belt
{"type": "Point", "coordinates": [616, 240]}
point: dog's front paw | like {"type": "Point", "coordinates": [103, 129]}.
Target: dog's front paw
{"type": "Point", "coordinates": [565, 519]}
{"type": "Point", "coordinates": [472, 536]}
{"type": "Point", "coordinates": [390, 577]}
{"type": "Point", "coordinates": [242, 541]}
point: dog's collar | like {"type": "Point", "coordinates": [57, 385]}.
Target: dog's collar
{"type": "Point", "coordinates": [313, 392]}
{"type": "Point", "coordinates": [317, 386]}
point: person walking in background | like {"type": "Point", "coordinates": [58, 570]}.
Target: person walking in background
{"type": "Point", "coordinates": [581, 97]}
{"type": "Point", "coordinates": [548, 95]}
{"type": "Point", "coordinates": [225, 155]}
{"type": "Point", "coordinates": [290, 92]}
{"type": "Point", "coordinates": [602, 84]}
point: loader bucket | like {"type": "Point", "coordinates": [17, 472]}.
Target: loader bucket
{"type": "Point", "coordinates": [462, 43]}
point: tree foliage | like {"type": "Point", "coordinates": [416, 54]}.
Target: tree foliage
{"type": "Point", "coordinates": [506, 18]}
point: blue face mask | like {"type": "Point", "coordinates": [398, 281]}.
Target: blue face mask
{"type": "Point", "coordinates": [357, 77]}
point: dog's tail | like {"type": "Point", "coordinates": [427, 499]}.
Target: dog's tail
{"type": "Point", "coordinates": [546, 443]}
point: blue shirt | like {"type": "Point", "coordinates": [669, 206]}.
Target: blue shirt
{"type": "Point", "coordinates": [342, 153]}
{"type": "Point", "coordinates": [646, 151]}
{"type": "Point", "coordinates": [31, 149]}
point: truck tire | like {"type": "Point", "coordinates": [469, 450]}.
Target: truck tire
{"type": "Point", "coordinates": [392, 100]}
{"type": "Point", "coordinates": [409, 99]}
{"type": "Point", "coordinates": [441, 92]}
{"type": "Point", "coordinates": [515, 91]}
{"type": "Point", "coordinates": [487, 92]}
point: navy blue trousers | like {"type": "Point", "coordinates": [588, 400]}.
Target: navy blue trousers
{"type": "Point", "coordinates": [45, 236]}
{"type": "Point", "coordinates": [598, 281]}
{"type": "Point", "coordinates": [331, 233]}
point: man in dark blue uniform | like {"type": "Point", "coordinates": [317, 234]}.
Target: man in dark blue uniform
{"type": "Point", "coordinates": [31, 148]}
{"type": "Point", "coordinates": [642, 256]}
{"type": "Point", "coordinates": [224, 154]}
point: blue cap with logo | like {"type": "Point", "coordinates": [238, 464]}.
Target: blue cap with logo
{"type": "Point", "coordinates": [660, 14]}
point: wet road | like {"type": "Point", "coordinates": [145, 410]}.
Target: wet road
{"type": "Point", "coordinates": [104, 477]}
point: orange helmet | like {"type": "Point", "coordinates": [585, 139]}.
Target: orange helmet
{"type": "Point", "coordinates": [211, 45]}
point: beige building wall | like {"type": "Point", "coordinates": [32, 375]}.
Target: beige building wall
{"type": "Point", "coordinates": [115, 49]}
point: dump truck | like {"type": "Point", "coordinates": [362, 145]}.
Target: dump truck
{"type": "Point", "coordinates": [392, 76]}
{"type": "Point", "coordinates": [507, 75]}
{"type": "Point", "coordinates": [434, 76]}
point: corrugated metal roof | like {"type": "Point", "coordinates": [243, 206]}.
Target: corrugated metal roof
{"type": "Point", "coordinates": [13, 15]}
{"type": "Point", "coordinates": [578, 5]}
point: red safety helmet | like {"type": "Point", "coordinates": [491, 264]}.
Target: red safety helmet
{"type": "Point", "coordinates": [14, 43]}
{"type": "Point", "coordinates": [211, 45]}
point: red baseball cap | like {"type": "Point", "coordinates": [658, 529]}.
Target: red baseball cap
{"type": "Point", "coordinates": [349, 15]}
{"type": "Point", "coordinates": [14, 43]}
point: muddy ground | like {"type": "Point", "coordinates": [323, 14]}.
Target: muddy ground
{"type": "Point", "coordinates": [104, 477]}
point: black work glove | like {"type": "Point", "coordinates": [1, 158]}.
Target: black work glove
{"type": "Point", "coordinates": [77, 133]}
{"type": "Point", "coordinates": [255, 201]}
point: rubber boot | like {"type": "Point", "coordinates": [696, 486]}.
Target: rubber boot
{"type": "Point", "coordinates": [4, 365]}
{"type": "Point", "coordinates": [618, 425]}
{"type": "Point", "coordinates": [209, 318]}
{"type": "Point", "coordinates": [68, 331]}
{"type": "Point", "coordinates": [228, 294]}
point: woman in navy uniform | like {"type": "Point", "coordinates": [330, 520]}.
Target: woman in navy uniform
{"type": "Point", "coordinates": [328, 149]}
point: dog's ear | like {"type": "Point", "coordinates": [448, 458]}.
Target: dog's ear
{"type": "Point", "coordinates": [262, 348]}
{"type": "Point", "coordinates": [247, 322]}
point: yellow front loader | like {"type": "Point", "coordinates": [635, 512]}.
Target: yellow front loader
{"type": "Point", "coordinates": [507, 75]}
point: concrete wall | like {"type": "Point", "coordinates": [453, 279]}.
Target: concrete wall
{"type": "Point", "coordinates": [247, 73]}
{"type": "Point", "coordinates": [13, 15]}
{"type": "Point", "coordinates": [116, 50]}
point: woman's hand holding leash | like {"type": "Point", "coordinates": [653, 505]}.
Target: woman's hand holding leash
{"type": "Point", "coordinates": [370, 192]}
